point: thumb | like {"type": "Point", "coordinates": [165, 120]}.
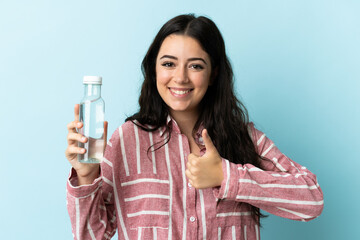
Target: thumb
{"type": "Point", "coordinates": [209, 145]}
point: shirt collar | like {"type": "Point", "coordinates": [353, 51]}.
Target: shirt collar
{"type": "Point", "coordinates": [175, 128]}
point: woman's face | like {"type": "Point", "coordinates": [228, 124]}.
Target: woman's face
{"type": "Point", "coordinates": [183, 72]}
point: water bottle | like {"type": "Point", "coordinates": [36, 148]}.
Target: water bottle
{"type": "Point", "coordinates": [92, 111]}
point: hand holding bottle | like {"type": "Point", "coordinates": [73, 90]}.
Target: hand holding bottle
{"type": "Point", "coordinates": [86, 172]}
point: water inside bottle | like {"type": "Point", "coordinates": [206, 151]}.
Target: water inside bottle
{"type": "Point", "coordinates": [95, 149]}
{"type": "Point", "coordinates": [92, 116]}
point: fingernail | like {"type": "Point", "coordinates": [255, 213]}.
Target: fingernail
{"type": "Point", "coordinates": [79, 124]}
{"type": "Point", "coordinates": [83, 139]}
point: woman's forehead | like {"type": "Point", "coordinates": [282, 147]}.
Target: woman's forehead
{"type": "Point", "coordinates": [181, 45]}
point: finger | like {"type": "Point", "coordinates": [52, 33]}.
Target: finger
{"type": "Point", "coordinates": [73, 125]}
{"type": "Point", "coordinates": [188, 174]}
{"type": "Point", "coordinates": [75, 150]}
{"type": "Point", "coordinates": [188, 165]}
{"type": "Point", "coordinates": [105, 130]}
{"type": "Point", "coordinates": [192, 179]}
{"type": "Point", "coordinates": [105, 134]}
{"type": "Point", "coordinates": [76, 112]}
{"type": "Point", "coordinates": [209, 145]}
{"type": "Point", "coordinates": [194, 161]}
{"type": "Point", "coordinates": [192, 157]}
{"type": "Point", "coordinates": [76, 137]}
{"type": "Point", "coordinates": [191, 182]}
{"type": "Point", "coordinates": [194, 170]}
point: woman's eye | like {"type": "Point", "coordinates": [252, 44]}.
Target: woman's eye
{"type": "Point", "coordinates": [167, 64]}
{"type": "Point", "coordinates": [196, 66]}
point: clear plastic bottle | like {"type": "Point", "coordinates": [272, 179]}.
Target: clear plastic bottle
{"type": "Point", "coordinates": [92, 112]}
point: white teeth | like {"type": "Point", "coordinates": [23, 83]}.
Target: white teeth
{"type": "Point", "coordinates": [179, 92]}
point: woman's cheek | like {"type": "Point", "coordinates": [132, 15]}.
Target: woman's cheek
{"type": "Point", "coordinates": [163, 76]}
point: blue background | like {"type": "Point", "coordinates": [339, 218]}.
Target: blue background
{"type": "Point", "coordinates": [297, 70]}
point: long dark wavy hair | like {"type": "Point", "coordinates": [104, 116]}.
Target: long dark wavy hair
{"type": "Point", "coordinates": [221, 113]}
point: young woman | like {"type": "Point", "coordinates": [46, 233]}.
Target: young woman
{"type": "Point", "coordinates": [188, 165]}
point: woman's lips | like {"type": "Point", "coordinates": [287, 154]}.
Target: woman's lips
{"type": "Point", "coordinates": [180, 92]}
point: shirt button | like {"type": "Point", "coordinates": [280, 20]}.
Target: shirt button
{"type": "Point", "coordinates": [192, 219]}
{"type": "Point", "coordinates": [189, 185]}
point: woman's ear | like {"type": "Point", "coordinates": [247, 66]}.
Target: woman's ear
{"type": "Point", "coordinates": [213, 76]}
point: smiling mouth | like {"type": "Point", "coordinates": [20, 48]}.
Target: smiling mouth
{"type": "Point", "coordinates": [180, 92]}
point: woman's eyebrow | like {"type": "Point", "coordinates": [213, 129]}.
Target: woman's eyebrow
{"type": "Point", "coordinates": [169, 56]}
{"type": "Point", "coordinates": [190, 59]}
{"type": "Point", "coordinates": [194, 59]}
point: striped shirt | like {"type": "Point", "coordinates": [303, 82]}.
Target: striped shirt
{"type": "Point", "coordinates": [146, 195]}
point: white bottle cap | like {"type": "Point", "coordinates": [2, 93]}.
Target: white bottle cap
{"type": "Point", "coordinates": [92, 80]}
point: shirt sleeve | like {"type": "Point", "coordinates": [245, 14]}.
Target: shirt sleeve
{"type": "Point", "coordinates": [281, 187]}
{"type": "Point", "coordinates": [91, 207]}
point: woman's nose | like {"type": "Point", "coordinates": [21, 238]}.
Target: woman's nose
{"type": "Point", "coordinates": [180, 75]}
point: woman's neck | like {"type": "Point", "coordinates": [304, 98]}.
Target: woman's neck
{"type": "Point", "coordinates": [186, 121]}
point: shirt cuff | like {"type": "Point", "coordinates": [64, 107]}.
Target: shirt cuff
{"type": "Point", "coordinates": [84, 190]}
{"type": "Point", "coordinates": [229, 186]}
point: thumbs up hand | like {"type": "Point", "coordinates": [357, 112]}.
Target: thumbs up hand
{"type": "Point", "coordinates": [205, 171]}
